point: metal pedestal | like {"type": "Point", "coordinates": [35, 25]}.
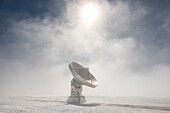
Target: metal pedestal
{"type": "Point", "coordinates": [76, 96]}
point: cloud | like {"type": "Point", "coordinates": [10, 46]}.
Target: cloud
{"type": "Point", "coordinates": [35, 63]}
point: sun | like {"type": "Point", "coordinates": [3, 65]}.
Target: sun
{"type": "Point", "coordinates": [89, 13]}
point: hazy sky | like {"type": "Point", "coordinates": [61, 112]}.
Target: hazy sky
{"type": "Point", "coordinates": [126, 48]}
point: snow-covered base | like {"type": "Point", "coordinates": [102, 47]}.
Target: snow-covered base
{"type": "Point", "coordinates": [76, 99]}
{"type": "Point", "coordinates": [93, 105]}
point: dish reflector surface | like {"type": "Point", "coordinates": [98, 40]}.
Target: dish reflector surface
{"type": "Point", "coordinates": [82, 75]}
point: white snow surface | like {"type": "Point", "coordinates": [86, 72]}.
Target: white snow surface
{"type": "Point", "coordinates": [26, 104]}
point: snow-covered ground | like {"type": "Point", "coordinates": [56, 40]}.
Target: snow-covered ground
{"type": "Point", "coordinates": [93, 105]}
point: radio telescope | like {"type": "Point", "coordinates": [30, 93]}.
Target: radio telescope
{"type": "Point", "coordinates": [81, 76]}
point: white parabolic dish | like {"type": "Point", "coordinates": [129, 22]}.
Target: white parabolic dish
{"type": "Point", "coordinates": [82, 75]}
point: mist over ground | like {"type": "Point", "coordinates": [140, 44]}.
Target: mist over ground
{"type": "Point", "coordinates": [127, 49]}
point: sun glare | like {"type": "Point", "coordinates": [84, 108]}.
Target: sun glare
{"type": "Point", "coordinates": [89, 13]}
